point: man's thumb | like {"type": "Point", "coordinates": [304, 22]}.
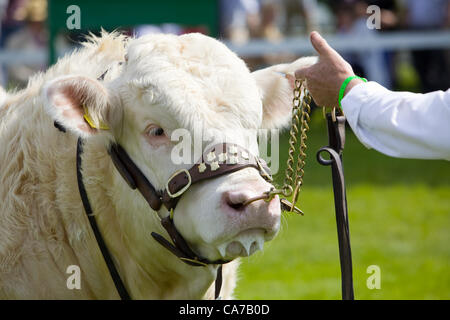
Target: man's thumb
{"type": "Point", "coordinates": [320, 44]}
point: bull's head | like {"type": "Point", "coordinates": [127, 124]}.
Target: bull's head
{"type": "Point", "coordinates": [168, 83]}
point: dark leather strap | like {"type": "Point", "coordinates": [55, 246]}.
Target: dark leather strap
{"type": "Point", "coordinates": [179, 247]}
{"type": "Point", "coordinates": [218, 283]}
{"type": "Point", "coordinates": [336, 136]}
{"type": "Point", "coordinates": [218, 160]}
{"type": "Point", "coordinates": [134, 176]}
{"type": "Point", "coordinates": [122, 291]}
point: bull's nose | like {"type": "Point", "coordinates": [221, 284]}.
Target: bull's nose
{"type": "Point", "coordinates": [258, 214]}
{"type": "Point", "coordinates": [236, 200]}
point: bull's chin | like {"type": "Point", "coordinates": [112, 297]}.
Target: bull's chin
{"type": "Point", "coordinates": [243, 244]}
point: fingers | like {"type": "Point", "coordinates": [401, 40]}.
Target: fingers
{"type": "Point", "coordinates": [321, 45]}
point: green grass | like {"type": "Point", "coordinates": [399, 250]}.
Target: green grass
{"type": "Point", "coordinates": [399, 213]}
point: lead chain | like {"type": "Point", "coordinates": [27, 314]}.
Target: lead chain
{"type": "Point", "coordinates": [293, 178]}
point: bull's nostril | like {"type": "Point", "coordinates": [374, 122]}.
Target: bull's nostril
{"type": "Point", "coordinates": [235, 200]}
{"type": "Point", "coordinates": [236, 206]}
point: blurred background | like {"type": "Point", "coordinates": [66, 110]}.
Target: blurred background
{"type": "Point", "coordinates": [410, 50]}
{"type": "Point", "coordinates": [399, 209]}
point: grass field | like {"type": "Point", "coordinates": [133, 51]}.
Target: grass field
{"type": "Point", "coordinates": [399, 213]}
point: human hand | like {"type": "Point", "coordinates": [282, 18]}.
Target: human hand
{"type": "Point", "coordinates": [324, 79]}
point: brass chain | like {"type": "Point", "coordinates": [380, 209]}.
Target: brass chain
{"type": "Point", "coordinates": [304, 128]}
{"type": "Point", "coordinates": [293, 178]}
{"type": "Point", "coordinates": [299, 131]}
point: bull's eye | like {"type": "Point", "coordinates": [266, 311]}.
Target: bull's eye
{"type": "Point", "coordinates": [155, 131]}
{"type": "Point", "coordinates": [156, 136]}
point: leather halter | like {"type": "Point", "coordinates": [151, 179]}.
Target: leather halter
{"type": "Point", "coordinates": [218, 160]}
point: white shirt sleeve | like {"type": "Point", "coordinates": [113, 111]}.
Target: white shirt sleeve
{"type": "Point", "coordinates": [400, 124]}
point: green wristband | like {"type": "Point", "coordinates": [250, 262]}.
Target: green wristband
{"type": "Point", "coordinates": [344, 86]}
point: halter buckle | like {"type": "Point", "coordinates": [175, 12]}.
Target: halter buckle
{"type": "Point", "coordinates": [182, 190]}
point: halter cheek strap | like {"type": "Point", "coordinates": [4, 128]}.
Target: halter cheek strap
{"type": "Point", "coordinates": [134, 176]}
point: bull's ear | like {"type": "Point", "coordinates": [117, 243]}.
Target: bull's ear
{"type": "Point", "coordinates": [276, 84]}
{"type": "Point", "coordinates": [80, 104]}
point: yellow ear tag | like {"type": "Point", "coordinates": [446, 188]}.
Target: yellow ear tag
{"type": "Point", "coordinates": [89, 120]}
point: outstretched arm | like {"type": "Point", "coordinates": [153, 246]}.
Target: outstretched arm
{"type": "Point", "coordinates": [399, 124]}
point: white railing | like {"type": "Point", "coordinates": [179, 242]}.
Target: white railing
{"type": "Point", "coordinates": [295, 45]}
{"type": "Point", "coordinates": [377, 41]}
{"type": "Point", "coordinates": [31, 57]}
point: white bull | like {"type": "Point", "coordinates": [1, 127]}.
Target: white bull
{"type": "Point", "coordinates": [164, 82]}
